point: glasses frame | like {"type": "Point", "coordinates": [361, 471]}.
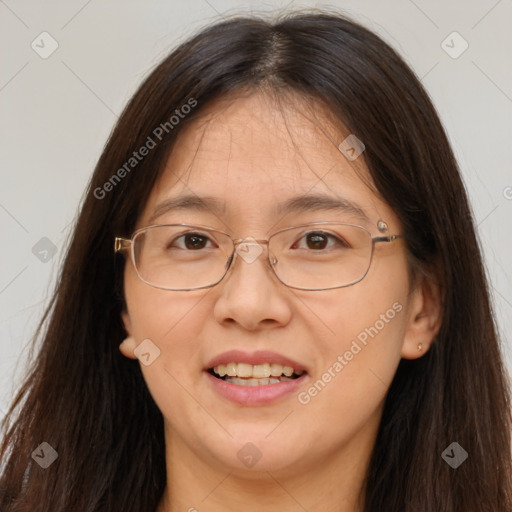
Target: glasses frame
{"type": "Point", "coordinates": [122, 244]}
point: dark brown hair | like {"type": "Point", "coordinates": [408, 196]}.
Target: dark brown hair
{"type": "Point", "coordinates": [92, 405]}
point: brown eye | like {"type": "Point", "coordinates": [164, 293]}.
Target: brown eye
{"type": "Point", "coordinates": [190, 241]}
{"type": "Point", "coordinates": [316, 241]}
{"type": "Point", "coordinates": [319, 240]}
{"type": "Point", "coordinates": [194, 241]}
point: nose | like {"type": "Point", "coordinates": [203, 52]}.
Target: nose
{"type": "Point", "coordinates": [250, 294]}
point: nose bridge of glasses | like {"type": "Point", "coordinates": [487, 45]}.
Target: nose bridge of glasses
{"type": "Point", "coordinates": [249, 240]}
{"type": "Point", "coordinates": [249, 248]}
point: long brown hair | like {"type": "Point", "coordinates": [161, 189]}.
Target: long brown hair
{"type": "Point", "coordinates": [91, 404]}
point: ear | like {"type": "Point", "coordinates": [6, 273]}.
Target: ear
{"type": "Point", "coordinates": [424, 318]}
{"type": "Point", "coordinates": [128, 345]}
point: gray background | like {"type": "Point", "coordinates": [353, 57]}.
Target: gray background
{"type": "Point", "coordinates": [56, 114]}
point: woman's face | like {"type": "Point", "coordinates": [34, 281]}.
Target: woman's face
{"type": "Point", "coordinates": [252, 157]}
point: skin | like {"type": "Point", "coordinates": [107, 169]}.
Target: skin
{"type": "Point", "coordinates": [244, 151]}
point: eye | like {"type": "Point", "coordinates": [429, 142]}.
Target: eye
{"type": "Point", "coordinates": [318, 240]}
{"type": "Point", "coordinates": [190, 241]}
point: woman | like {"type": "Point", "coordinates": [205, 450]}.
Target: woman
{"type": "Point", "coordinates": [296, 316]}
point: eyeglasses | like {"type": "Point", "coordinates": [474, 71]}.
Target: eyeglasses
{"type": "Point", "coordinates": [314, 256]}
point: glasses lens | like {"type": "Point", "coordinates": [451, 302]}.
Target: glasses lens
{"type": "Point", "coordinates": [181, 257]}
{"type": "Point", "coordinates": [321, 256]}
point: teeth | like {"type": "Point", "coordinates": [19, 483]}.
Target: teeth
{"type": "Point", "coordinates": [258, 372]}
{"type": "Point", "coordinates": [231, 369]}
{"type": "Point", "coordinates": [261, 371]}
{"type": "Point", "coordinates": [244, 370]}
{"type": "Point", "coordinates": [288, 371]}
{"type": "Point", "coordinates": [256, 382]}
{"type": "Point", "coordinates": [276, 370]}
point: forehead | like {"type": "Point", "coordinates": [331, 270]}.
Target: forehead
{"type": "Point", "coordinates": [255, 156]}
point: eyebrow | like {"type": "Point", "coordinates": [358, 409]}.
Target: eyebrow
{"type": "Point", "coordinates": [298, 204]}
{"type": "Point", "coordinates": [190, 202]}
{"type": "Point", "coordinates": [320, 202]}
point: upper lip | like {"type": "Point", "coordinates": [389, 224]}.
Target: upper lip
{"type": "Point", "coordinates": [259, 357]}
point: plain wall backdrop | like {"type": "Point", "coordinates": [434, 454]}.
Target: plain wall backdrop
{"type": "Point", "coordinates": [69, 67]}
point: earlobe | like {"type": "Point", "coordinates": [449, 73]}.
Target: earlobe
{"type": "Point", "coordinates": [424, 319]}
{"type": "Point", "coordinates": [129, 344]}
{"type": "Point", "coordinates": [127, 347]}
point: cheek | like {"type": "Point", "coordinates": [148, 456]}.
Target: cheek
{"type": "Point", "coordinates": [373, 309]}
{"type": "Point", "coordinates": [155, 313]}
{"type": "Point", "coordinates": [361, 347]}
{"type": "Point", "coordinates": [171, 320]}
{"type": "Point", "coordinates": [357, 366]}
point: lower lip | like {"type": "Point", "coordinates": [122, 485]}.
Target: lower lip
{"type": "Point", "coordinates": [255, 395]}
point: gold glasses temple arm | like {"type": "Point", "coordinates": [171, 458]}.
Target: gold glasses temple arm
{"type": "Point", "coordinates": [387, 238]}
{"type": "Point", "coordinates": [121, 243]}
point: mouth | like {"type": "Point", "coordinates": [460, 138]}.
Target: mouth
{"type": "Point", "coordinates": [260, 378]}
{"type": "Point", "coordinates": [265, 374]}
